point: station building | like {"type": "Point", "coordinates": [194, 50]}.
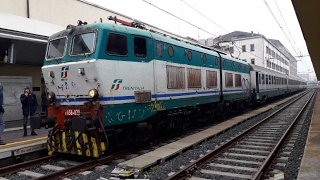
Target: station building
{"type": "Point", "coordinates": [256, 49]}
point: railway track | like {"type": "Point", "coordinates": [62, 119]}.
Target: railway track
{"type": "Point", "coordinates": [52, 168]}
{"type": "Point", "coordinates": [250, 154]}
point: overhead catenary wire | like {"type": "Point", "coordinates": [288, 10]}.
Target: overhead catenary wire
{"type": "Point", "coordinates": [193, 25]}
{"type": "Point", "coordinates": [283, 30]}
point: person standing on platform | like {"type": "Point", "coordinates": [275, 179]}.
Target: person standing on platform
{"type": "Point", "coordinates": [29, 107]}
{"type": "Point", "coordinates": [44, 101]}
{"type": "Point", "coordinates": [2, 125]}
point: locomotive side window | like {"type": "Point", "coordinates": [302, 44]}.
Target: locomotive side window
{"type": "Point", "coordinates": [229, 79]}
{"type": "Point", "coordinates": [233, 64]}
{"type": "Point", "coordinates": [159, 49]}
{"type": "Point", "coordinates": [238, 80]}
{"type": "Point", "coordinates": [117, 45]}
{"type": "Point", "coordinates": [140, 47]}
{"type": "Point", "coordinates": [211, 79]}
{"type": "Point", "coordinates": [83, 44]}
{"type": "Point", "coordinates": [216, 61]}
{"type": "Point", "coordinates": [175, 77]}
{"type": "Point", "coordinates": [189, 55]}
{"type": "Point", "coordinates": [170, 51]}
{"type": "Point", "coordinates": [56, 48]}
{"type": "Point", "coordinates": [204, 58]}
{"type": "Point", "coordinates": [194, 78]}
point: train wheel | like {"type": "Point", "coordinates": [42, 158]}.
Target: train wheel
{"type": "Point", "coordinates": [121, 136]}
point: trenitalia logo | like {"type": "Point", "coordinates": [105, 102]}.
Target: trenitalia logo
{"type": "Point", "coordinates": [116, 84]}
{"type": "Point", "coordinates": [64, 71]}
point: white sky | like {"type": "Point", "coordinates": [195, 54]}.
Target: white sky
{"type": "Point", "coordinates": [224, 16]}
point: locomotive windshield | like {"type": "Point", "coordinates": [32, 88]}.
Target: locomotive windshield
{"type": "Point", "coordinates": [56, 48]}
{"type": "Point", "coordinates": [83, 44]}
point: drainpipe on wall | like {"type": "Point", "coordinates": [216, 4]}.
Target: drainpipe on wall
{"type": "Point", "coordinates": [28, 10]}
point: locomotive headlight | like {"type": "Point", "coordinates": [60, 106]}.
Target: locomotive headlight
{"type": "Point", "coordinates": [93, 93]}
{"type": "Point", "coordinates": [51, 96]}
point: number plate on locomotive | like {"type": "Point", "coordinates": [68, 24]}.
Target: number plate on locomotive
{"type": "Point", "coordinates": [72, 112]}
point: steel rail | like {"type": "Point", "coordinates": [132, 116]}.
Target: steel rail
{"type": "Point", "coordinates": [262, 171]}
{"type": "Point", "coordinates": [64, 173]}
{"type": "Point", "coordinates": [27, 164]}
{"type": "Point", "coordinates": [84, 166]}
{"type": "Point", "coordinates": [197, 165]}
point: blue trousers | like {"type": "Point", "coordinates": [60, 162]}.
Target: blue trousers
{"type": "Point", "coordinates": [2, 125]}
{"type": "Point", "coordinates": [25, 122]}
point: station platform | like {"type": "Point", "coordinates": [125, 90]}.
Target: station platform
{"type": "Point", "coordinates": [310, 164]}
{"type": "Point", "coordinates": [16, 144]}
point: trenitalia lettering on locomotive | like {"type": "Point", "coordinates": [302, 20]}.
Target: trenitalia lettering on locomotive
{"type": "Point", "coordinates": [112, 84]}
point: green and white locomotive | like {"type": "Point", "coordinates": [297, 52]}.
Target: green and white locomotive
{"type": "Point", "coordinates": [113, 83]}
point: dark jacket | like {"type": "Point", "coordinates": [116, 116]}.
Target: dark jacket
{"type": "Point", "coordinates": [29, 104]}
{"type": "Point", "coordinates": [1, 95]}
{"type": "Point", "coordinates": [1, 99]}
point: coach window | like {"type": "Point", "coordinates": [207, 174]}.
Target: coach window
{"type": "Point", "coordinates": [239, 66]}
{"type": "Point", "coordinates": [117, 45]}
{"type": "Point", "coordinates": [140, 47]}
{"type": "Point", "coordinates": [259, 78]}
{"type": "Point", "coordinates": [224, 62]}
{"type": "Point", "coordinates": [238, 80]}
{"type": "Point", "coordinates": [229, 79]}
{"type": "Point", "coordinates": [262, 78]}
{"type": "Point", "coordinates": [267, 79]}
{"type": "Point", "coordinates": [170, 51]}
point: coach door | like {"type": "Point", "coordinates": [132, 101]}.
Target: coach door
{"type": "Point", "coordinates": [258, 79]}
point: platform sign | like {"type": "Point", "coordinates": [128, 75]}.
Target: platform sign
{"type": "Point", "coordinates": [29, 149]}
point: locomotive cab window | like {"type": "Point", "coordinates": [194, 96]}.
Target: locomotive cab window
{"type": "Point", "coordinates": [140, 47]}
{"type": "Point", "coordinates": [117, 45]}
{"type": "Point", "coordinates": [56, 48]}
{"type": "Point", "coordinates": [83, 43]}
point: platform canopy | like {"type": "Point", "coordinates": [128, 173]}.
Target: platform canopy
{"type": "Point", "coordinates": [308, 15]}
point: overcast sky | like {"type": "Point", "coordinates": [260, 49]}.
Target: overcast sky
{"type": "Point", "coordinates": [221, 17]}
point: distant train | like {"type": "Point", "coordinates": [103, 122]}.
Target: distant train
{"type": "Point", "coordinates": [110, 83]}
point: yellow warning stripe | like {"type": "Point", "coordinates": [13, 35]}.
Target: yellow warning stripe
{"type": "Point", "coordinates": [20, 142]}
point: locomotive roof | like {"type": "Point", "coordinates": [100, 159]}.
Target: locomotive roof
{"type": "Point", "coordinates": [145, 33]}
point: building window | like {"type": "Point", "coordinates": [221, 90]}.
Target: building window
{"type": "Point", "coordinates": [231, 50]}
{"type": "Point", "coordinates": [252, 61]}
{"type": "Point", "coordinates": [268, 50]}
{"type": "Point", "coordinates": [243, 48]}
{"type": "Point", "coordinates": [251, 47]}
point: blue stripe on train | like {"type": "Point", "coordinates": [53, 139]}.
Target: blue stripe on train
{"type": "Point", "coordinates": [121, 98]}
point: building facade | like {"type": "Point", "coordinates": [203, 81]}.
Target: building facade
{"type": "Point", "coordinates": [256, 49]}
